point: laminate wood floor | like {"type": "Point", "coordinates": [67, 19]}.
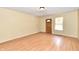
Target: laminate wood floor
{"type": "Point", "coordinates": [41, 42]}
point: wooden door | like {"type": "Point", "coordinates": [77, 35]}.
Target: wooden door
{"type": "Point", "coordinates": [49, 26]}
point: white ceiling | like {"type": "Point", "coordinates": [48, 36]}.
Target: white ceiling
{"type": "Point", "coordinates": [48, 11]}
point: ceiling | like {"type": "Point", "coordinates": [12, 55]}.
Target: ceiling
{"type": "Point", "coordinates": [48, 10]}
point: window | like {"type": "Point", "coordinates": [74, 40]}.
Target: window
{"type": "Point", "coordinates": [59, 23]}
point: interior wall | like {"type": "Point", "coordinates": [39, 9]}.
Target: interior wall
{"type": "Point", "coordinates": [70, 24]}
{"type": "Point", "coordinates": [78, 23]}
{"type": "Point", "coordinates": [15, 24]}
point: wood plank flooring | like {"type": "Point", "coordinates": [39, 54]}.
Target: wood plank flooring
{"type": "Point", "coordinates": [41, 42]}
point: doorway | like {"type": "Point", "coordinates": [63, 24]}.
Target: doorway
{"type": "Point", "coordinates": [49, 26]}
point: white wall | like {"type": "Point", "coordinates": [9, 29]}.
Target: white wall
{"type": "Point", "coordinates": [15, 24]}
{"type": "Point", "coordinates": [70, 24]}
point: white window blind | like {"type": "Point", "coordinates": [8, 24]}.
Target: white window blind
{"type": "Point", "coordinates": [59, 23]}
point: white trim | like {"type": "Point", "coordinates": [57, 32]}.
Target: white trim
{"type": "Point", "coordinates": [67, 35]}
{"type": "Point", "coordinates": [8, 39]}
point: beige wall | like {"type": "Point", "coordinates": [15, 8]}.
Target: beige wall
{"type": "Point", "coordinates": [78, 23]}
{"type": "Point", "coordinates": [15, 24]}
{"type": "Point", "coordinates": [70, 24]}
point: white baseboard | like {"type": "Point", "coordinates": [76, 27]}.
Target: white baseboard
{"type": "Point", "coordinates": [8, 39]}
{"type": "Point", "coordinates": [67, 35]}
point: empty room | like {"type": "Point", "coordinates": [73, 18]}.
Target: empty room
{"type": "Point", "coordinates": [39, 29]}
